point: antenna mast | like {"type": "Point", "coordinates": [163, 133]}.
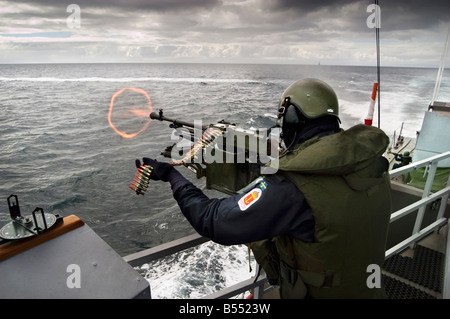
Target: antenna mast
{"type": "Point", "coordinates": [441, 68]}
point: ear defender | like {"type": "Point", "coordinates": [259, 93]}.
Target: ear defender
{"type": "Point", "coordinates": [289, 116]}
{"type": "Point", "coordinates": [292, 119]}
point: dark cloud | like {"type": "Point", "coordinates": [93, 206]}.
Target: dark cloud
{"type": "Point", "coordinates": [158, 5]}
{"type": "Point", "coordinates": [414, 14]}
{"type": "Point", "coordinates": [306, 6]}
{"type": "Point", "coordinates": [395, 15]}
{"type": "Point", "coordinates": [334, 31]}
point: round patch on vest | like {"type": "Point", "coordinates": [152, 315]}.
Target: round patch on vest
{"type": "Point", "coordinates": [249, 199]}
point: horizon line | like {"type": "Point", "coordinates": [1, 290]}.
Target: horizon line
{"type": "Point", "coordinates": [228, 62]}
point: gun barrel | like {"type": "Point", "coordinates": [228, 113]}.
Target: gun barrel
{"type": "Point", "coordinates": [178, 123]}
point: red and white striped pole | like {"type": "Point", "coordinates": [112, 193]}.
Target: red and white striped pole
{"type": "Point", "coordinates": [368, 120]}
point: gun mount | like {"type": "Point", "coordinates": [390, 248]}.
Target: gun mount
{"type": "Point", "coordinates": [229, 157]}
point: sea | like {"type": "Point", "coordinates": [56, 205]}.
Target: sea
{"type": "Point", "coordinates": [66, 144]}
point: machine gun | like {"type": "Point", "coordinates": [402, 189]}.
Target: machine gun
{"type": "Point", "coordinates": [229, 157]}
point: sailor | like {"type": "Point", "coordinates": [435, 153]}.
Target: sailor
{"type": "Point", "coordinates": [320, 222]}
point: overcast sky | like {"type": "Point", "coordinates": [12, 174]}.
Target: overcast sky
{"type": "Point", "coordinates": [243, 31]}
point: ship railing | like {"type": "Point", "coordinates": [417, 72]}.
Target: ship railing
{"type": "Point", "coordinates": [431, 165]}
{"type": "Point", "coordinates": [418, 232]}
{"type": "Point", "coordinates": [258, 284]}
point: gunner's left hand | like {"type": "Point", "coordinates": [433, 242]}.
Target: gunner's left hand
{"type": "Point", "coordinates": [160, 170]}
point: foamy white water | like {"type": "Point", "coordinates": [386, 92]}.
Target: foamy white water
{"type": "Point", "coordinates": [199, 271]}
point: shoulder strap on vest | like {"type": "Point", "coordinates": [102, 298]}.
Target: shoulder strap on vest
{"type": "Point", "coordinates": [266, 255]}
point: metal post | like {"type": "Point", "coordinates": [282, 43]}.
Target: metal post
{"type": "Point", "coordinates": [444, 200]}
{"type": "Point", "coordinates": [258, 291]}
{"type": "Point", "coordinates": [426, 192]}
{"type": "Point", "coordinates": [446, 288]}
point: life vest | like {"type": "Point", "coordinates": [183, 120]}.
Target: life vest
{"type": "Point", "coordinates": [345, 182]}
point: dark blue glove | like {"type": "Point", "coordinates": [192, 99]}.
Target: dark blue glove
{"type": "Point", "coordinates": [161, 170]}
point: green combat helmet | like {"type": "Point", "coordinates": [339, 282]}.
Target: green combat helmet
{"type": "Point", "coordinates": [312, 97]}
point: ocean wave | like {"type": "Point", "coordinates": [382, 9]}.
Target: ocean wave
{"type": "Point", "coordinates": [127, 79]}
{"type": "Point", "coordinates": [67, 202]}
